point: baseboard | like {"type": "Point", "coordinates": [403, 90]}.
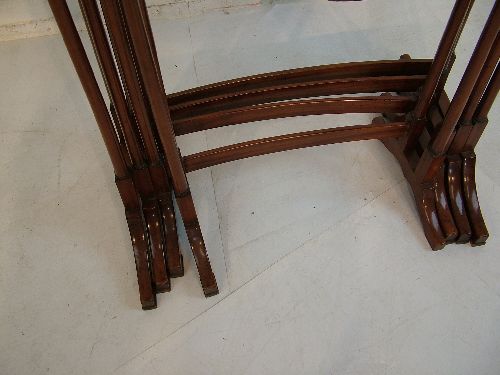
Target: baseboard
{"type": "Point", "coordinates": [162, 9]}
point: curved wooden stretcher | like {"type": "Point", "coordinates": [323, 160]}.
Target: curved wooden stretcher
{"type": "Point", "coordinates": [432, 138]}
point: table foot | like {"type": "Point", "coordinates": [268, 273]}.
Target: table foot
{"type": "Point", "coordinates": [175, 265]}
{"type": "Point", "coordinates": [479, 231]}
{"type": "Point", "coordinates": [138, 236]}
{"type": "Point", "coordinates": [448, 205]}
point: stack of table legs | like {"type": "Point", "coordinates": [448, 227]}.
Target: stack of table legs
{"type": "Point", "coordinates": [128, 126]}
{"type": "Point", "coordinates": [432, 138]}
{"type": "Point", "coordinates": [437, 155]}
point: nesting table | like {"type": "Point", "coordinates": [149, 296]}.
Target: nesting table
{"type": "Point", "coordinates": [433, 138]}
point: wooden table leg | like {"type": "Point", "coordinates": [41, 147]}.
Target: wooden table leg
{"type": "Point", "coordinates": [133, 15]}
{"type": "Point", "coordinates": [124, 182]}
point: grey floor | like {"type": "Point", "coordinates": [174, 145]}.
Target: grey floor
{"type": "Point", "coordinates": [320, 257]}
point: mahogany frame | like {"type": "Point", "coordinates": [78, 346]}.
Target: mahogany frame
{"type": "Point", "coordinates": [432, 138]}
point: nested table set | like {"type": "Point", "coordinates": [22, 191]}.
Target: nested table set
{"type": "Point", "coordinates": [432, 137]}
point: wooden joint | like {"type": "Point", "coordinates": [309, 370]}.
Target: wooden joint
{"type": "Point", "coordinates": [182, 194]}
{"type": "Point", "coordinates": [480, 121]}
{"type": "Point", "coordinates": [435, 154]}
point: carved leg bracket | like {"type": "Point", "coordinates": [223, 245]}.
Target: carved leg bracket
{"type": "Point", "coordinates": [448, 205]}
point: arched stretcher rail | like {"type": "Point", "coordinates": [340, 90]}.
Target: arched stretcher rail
{"type": "Point", "coordinates": [369, 104]}
{"type": "Point", "coordinates": [301, 75]}
{"type": "Point", "coordinates": [308, 89]}
{"type": "Point", "coordinates": [293, 141]}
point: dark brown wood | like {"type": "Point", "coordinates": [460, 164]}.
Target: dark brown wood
{"type": "Point", "coordinates": [89, 83]}
{"type": "Point", "coordinates": [151, 41]}
{"type": "Point", "coordinates": [444, 53]}
{"type": "Point", "coordinates": [457, 199]}
{"type": "Point", "coordinates": [157, 186]}
{"type": "Point", "coordinates": [296, 91]}
{"type": "Point", "coordinates": [444, 77]}
{"type": "Point", "coordinates": [370, 104]}
{"type": "Point", "coordinates": [140, 247]}
{"type": "Point", "coordinates": [175, 263]}
{"type": "Point", "coordinates": [425, 196]}
{"type": "Point", "coordinates": [163, 193]}
{"type": "Point", "coordinates": [433, 155]}
{"type": "Point", "coordinates": [139, 238]}
{"type": "Point", "coordinates": [468, 119]}
{"type": "Point", "coordinates": [489, 97]}
{"type": "Point", "coordinates": [432, 139]}
{"type": "Point", "coordinates": [485, 77]}
{"type": "Point", "coordinates": [140, 174]}
{"type": "Point", "coordinates": [439, 71]}
{"type": "Point", "coordinates": [446, 220]}
{"type": "Point", "coordinates": [450, 200]}
{"type": "Point", "coordinates": [481, 116]}
{"type": "Point", "coordinates": [450, 211]}
{"type": "Point", "coordinates": [104, 57]}
{"type": "Point", "coordinates": [479, 231]}
{"type": "Point", "coordinates": [124, 182]}
{"type": "Point", "coordinates": [301, 75]}
{"type": "Point", "coordinates": [471, 75]}
{"type": "Point", "coordinates": [291, 142]}
{"type": "Point", "coordinates": [152, 215]}
{"type": "Point", "coordinates": [119, 37]}
{"type": "Point", "coordinates": [138, 35]}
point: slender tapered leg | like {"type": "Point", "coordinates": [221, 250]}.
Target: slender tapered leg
{"type": "Point", "coordinates": [134, 17]}
{"type": "Point", "coordinates": [175, 263]}
{"type": "Point", "coordinates": [141, 107]}
{"type": "Point", "coordinates": [124, 183]}
{"type": "Point", "coordinates": [441, 61]}
{"type": "Point", "coordinates": [139, 238]}
{"type": "Point", "coordinates": [437, 139]}
{"type": "Point", "coordinates": [462, 159]}
{"type": "Point", "coordinates": [123, 122]}
{"type": "Point", "coordinates": [444, 135]}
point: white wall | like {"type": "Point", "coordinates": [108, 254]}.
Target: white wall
{"type": "Point", "coordinates": [31, 18]}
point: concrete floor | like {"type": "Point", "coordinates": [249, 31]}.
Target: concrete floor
{"type": "Point", "coordinates": [319, 253]}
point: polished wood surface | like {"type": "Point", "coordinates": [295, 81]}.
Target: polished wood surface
{"type": "Point", "coordinates": [292, 142]}
{"type": "Point", "coordinates": [302, 75]}
{"type": "Point", "coordinates": [134, 16]}
{"type": "Point", "coordinates": [466, 87]}
{"type": "Point", "coordinates": [433, 138]}
{"type": "Point", "coordinates": [301, 90]}
{"type": "Point", "coordinates": [371, 104]}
